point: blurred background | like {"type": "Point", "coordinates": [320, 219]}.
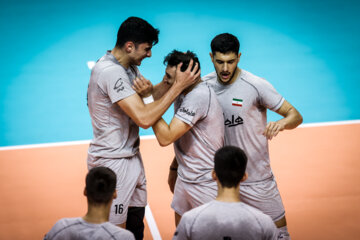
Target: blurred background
{"type": "Point", "coordinates": [309, 50]}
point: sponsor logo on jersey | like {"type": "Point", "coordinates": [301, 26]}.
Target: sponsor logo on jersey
{"type": "Point", "coordinates": [234, 121]}
{"type": "Point", "coordinates": [187, 111]}
{"type": "Point", "coordinates": [237, 102]}
{"type": "Point", "coordinates": [119, 85]}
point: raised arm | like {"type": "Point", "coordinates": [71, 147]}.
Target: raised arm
{"type": "Point", "coordinates": [146, 115]}
{"type": "Point", "coordinates": [292, 119]}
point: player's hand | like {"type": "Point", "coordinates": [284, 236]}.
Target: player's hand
{"type": "Point", "coordinates": [273, 128]}
{"type": "Point", "coordinates": [172, 180]}
{"type": "Point", "coordinates": [188, 77]}
{"type": "Point", "coordinates": [142, 86]}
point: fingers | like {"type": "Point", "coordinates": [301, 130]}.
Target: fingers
{"type": "Point", "coordinates": [272, 129]}
{"type": "Point", "coordinates": [191, 63]}
{"type": "Point", "coordinates": [178, 67]}
{"type": "Point", "coordinates": [135, 85]}
{"type": "Point", "coordinates": [142, 86]}
{"type": "Point", "coordinates": [197, 75]}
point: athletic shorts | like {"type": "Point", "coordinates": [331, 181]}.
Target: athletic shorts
{"type": "Point", "coordinates": [130, 185]}
{"type": "Point", "coordinates": [264, 196]}
{"type": "Point", "coordinates": [191, 195]}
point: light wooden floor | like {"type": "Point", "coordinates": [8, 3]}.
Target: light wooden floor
{"type": "Point", "coordinates": [317, 170]}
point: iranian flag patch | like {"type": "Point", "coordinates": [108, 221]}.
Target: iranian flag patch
{"type": "Point", "coordinates": [237, 102]}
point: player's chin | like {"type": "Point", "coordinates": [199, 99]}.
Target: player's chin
{"type": "Point", "coordinates": [138, 62]}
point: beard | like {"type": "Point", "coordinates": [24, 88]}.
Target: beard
{"type": "Point", "coordinates": [229, 80]}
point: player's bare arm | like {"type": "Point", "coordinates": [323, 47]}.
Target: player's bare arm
{"type": "Point", "coordinates": [167, 134]}
{"type": "Point", "coordinates": [146, 115]}
{"type": "Point", "coordinates": [292, 119]}
{"type": "Point", "coordinates": [172, 174]}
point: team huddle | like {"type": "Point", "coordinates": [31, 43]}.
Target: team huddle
{"type": "Point", "coordinates": [222, 183]}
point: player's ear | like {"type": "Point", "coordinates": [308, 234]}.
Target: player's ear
{"type": "Point", "coordinates": [244, 177]}
{"type": "Point", "coordinates": [213, 174]}
{"type": "Point", "coordinates": [114, 194]}
{"type": "Point", "coordinates": [211, 56]}
{"type": "Point", "coordinates": [239, 55]}
{"type": "Point", "coordinates": [85, 192]}
{"type": "Point", "coordinates": [129, 46]}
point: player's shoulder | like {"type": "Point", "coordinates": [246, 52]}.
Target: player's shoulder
{"type": "Point", "coordinates": [62, 226]}
{"type": "Point", "coordinates": [202, 88]}
{"type": "Point", "coordinates": [210, 78]}
{"type": "Point", "coordinates": [117, 232]}
{"type": "Point", "coordinates": [198, 211]}
{"type": "Point", "coordinates": [252, 79]}
{"type": "Point", "coordinates": [68, 221]}
{"type": "Point", "coordinates": [107, 66]}
{"type": "Point", "coordinates": [200, 93]}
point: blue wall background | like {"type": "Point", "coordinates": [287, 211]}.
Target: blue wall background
{"type": "Point", "coordinates": [309, 50]}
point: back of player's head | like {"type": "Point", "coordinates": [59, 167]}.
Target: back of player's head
{"type": "Point", "coordinates": [230, 165]}
{"type": "Point", "coordinates": [176, 57]}
{"type": "Point", "coordinates": [100, 185]}
{"type": "Point", "coordinates": [225, 43]}
{"type": "Point", "coordinates": [136, 30]}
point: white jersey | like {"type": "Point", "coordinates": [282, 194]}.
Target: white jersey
{"type": "Point", "coordinates": [195, 150]}
{"type": "Point", "coordinates": [225, 221]}
{"type": "Point", "coordinates": [115, 134]}
{"type": "Point", "coordinates": [244, 103]}
{"type": "Point", "coordinates": [79, 229]}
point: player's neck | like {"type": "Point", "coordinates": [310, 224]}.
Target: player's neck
{"type": "Point", "coordinates": [121, 57]}
{"type": "Point", "coordinates": [228, 194]}
{"type": "Point", "coordinates": [97, 214]}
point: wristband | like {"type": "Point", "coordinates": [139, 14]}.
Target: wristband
{"type": "Point", "coordinates": [173, 169]}
{"type": "Point", "coordinates": [148, 99]}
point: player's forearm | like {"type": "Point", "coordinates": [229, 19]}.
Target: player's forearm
{"type": "Point", "coordinates": [163, 133]}
{"type": "Point", "coordinates": [174, 164]}
{"type": "Point", "coordinates": [153, 111]}
{"type": "Point", "coordinates": [292, 119]}
{"type": "Point", "coordinates": [159, 90]}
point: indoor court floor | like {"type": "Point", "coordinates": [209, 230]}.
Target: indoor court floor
{"type": "Point", "coordinates": [317, 168]}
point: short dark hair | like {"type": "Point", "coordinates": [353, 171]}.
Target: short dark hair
{"type": "Point", "coordinates": [138, 31]}
{"type": "Point", "coordinates": [100, 185]}
{"type": "Point", "coordinates": [225, 43]}
{"type": "Point", "coordinates": [230, 165]}
{"type": "Point", "coordinates": [176, 57]}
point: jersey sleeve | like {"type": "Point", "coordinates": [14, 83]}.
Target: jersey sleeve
{"type": "Point", "coordinates": [183, 229]}
{"type": "Point", "coordinates": [270, 230]}
{"type": "Point", "coordinates": [269, 97]}
{"type": "Point", "coordinates": [124, 235]}
{"type": "Point", "coordinates": [58, 226]}
{"type": "Point", "coordinates": [116, 84]}
{"type": "Point", "coordinates": [192, 108]}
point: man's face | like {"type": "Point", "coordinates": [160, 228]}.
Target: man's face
{"type": "Point", "coordinates": [225, 65]}
{"type": "Point", "coordinates": [169, 77]}
{"type": "Point", "coordinates": [140, 51]}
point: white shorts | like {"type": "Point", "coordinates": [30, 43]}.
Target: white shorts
{"type": "Point", "coordinates": [190, 195]}
{"type": "Point", "coordinates": [130, 185]}
{"type": "Point", "coordinates": [264, 196]}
